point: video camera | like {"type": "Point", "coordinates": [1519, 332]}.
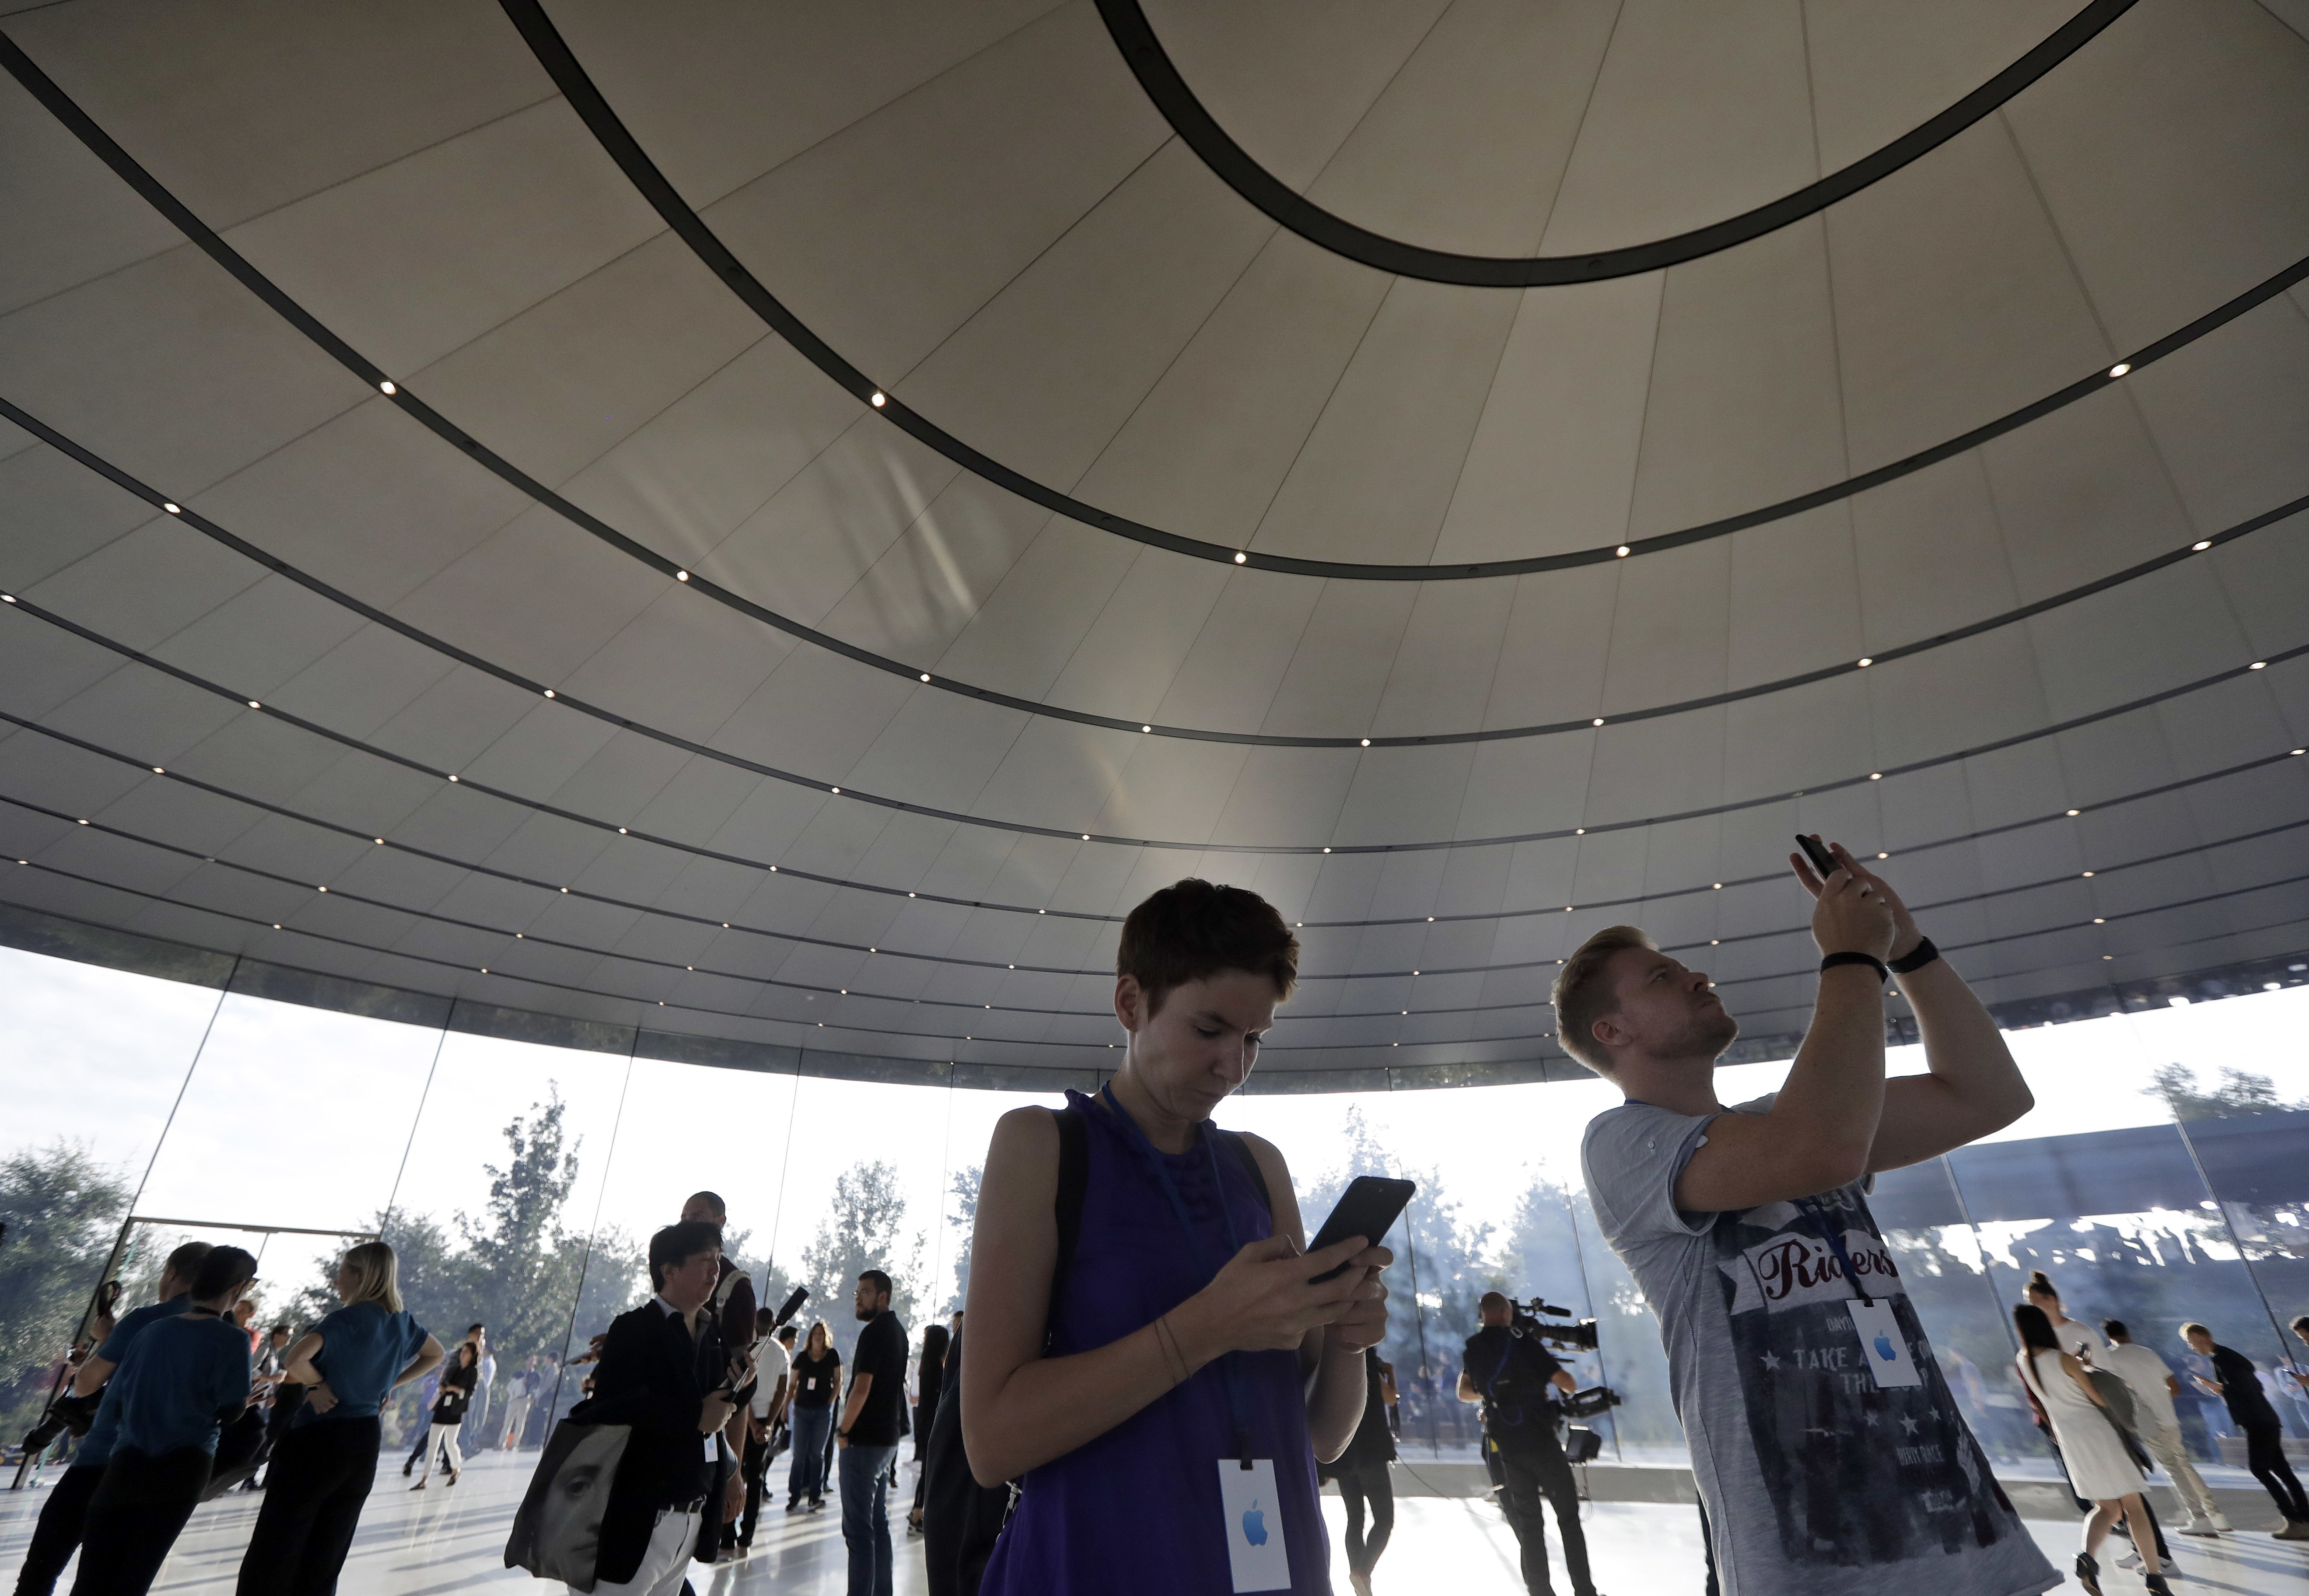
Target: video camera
{"type": "Point", "coordinates": [1579, 1337]}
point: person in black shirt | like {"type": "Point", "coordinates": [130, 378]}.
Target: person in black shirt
{"type": "Point", "coordinates": [448, 1418]}
{"type": "Point", "coordinates": [2236, 1384]}
{"type": "Point", "coordinates": [868, 1435]}
{"type": "Point", "coordinates": [1510, 1374]}
{"type": "Point", "coordinates": [816, 1382]}
{"type": "Point", "coordinates": [1361, 1474]}
{"type": "Point", "coordinates": [663, 1371]}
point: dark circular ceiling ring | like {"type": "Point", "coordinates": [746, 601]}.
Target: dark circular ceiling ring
{"type": "Point", "coordinates": [1135, 37]}
{"type": "Point", "coordinates": [1010, 1042]}
{"type": "Point", "coordinates": [705, 921]}
{"type": "Point", "coordinates": [553, 52]}
{"type": "Point", "coordinates": [17, 604]}
{"type": "Point", "coordinates": [219, 534]}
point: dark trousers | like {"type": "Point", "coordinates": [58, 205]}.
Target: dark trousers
{"type": "Point", "coordinates": [2264, 1454]}
{"type": "Point", "coordinates": [134, 1517]}
{"type": "Point", "coordinates": [313, 1500]}
{"type": "Point", "coordinates": [58, 1529]}
{"type": "Point", "coordinates": [1356, 1487]}
{"type": "Point", "coordinates": [756, 1465]}
{"type": "Point", "coordinates": [1534, 1466]}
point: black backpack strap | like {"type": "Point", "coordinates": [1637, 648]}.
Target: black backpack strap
{"type": "Point", "coordinates": [1067, 1206]}
{"type": "Point", "coordinates": [1249, 1161]}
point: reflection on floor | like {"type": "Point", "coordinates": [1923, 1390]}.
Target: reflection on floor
{"type": "Point", "coordinates": [439, 1540]}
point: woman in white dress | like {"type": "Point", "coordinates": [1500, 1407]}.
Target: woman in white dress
{"type": "Point", "coordinates": [2097, 1463]}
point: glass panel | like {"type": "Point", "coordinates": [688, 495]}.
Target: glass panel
{"type": "Point", "coordinates": [90, 1060]}
{"type": "Point", "coordinates": [865, 1188]}
{"type": "Point", "coordinates": [2124, 1225]}
{"type": "Point", "coordinates": [2255, 1165]}
{"type": "Point", "coordinates": [295, 1116]}
{"type": "Point", "coordinates": [495, 1217]}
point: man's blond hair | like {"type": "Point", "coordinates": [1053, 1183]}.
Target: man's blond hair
{"type": "Point", "coordinates": [1582, 997]}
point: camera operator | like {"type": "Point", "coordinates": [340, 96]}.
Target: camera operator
{"type": "Point", "coordinates": [1510, 1373]}
{"type": "Point", "coordinates": [1828, 1451]}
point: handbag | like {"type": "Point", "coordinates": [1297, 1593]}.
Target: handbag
{"type": "Point", "coordinates": [557, 1531]}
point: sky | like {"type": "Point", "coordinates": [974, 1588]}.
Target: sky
{"type": "Point", "coordinates": [297, 1116]}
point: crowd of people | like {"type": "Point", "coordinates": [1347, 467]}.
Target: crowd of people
{"type": "Point", "coordinates": [1160, 1376]}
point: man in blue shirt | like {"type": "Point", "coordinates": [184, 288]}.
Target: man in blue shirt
{"type": "Point", "coordinates": [187, 1374]}
{"type": "Point", "coordinates": [57, 1534]}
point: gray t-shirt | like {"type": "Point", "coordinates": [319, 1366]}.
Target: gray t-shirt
{"type": "Point", "coordinates": [1817, 1482]}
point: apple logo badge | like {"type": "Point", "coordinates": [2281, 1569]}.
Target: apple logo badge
{"type": "Point", "coordinates": [1884, 1349]}
{"type": "Point", "coordinates": [1254, 1524]}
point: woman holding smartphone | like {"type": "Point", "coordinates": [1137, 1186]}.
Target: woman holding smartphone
{"type": "Point", "coordinates": [1166, 1380]}
{"type": "Point", "coordinates": [350, 1362]}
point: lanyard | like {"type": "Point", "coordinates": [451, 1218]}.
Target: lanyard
{"type": "Point", "coordinates": [1235, 1402]}
{"type": "Point", "coordinates": [1811, 1208]}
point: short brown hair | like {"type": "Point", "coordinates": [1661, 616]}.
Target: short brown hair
{"type": "Point", "coordinates": [2195, 1328]}
{"type": "Point", "coordinates": [1581, 998]}
{"type": "Point", "coordinates": [1191, 929]}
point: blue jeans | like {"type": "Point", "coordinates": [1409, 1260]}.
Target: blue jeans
{"type": "Point", "coordinates": [865, 1517]}
{"type": "Point", "coordinates": [806, 1475]}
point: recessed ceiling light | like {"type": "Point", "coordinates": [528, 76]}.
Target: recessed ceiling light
{"type": "Point", "coordinates": [380, 842]}
{"type": "Point", "coordinates": [1599, 720]}
{"type": "Point", "coordinates": [681, 575]}
{"type": "Point", "coordinates": [9, 598]}
{"type": "Point", "coordinates": [1414, 972]}
{"type": "Point", "coordinates": [1716, 886]}
{"type": "Point", "coordinates": [83, 822]}
{"type": "Point", "coordinates": [2299, 751]}
{"type": "Point", "coordinates": [926, 676]}
{"type": "Point", "coordinates": [548, 693]}
{"type": "Point", "coordinates": [880, 399]}
{"type": "Point", "coordinates": [1875, 775]}
{"type": "Point", "coordinates": [838, 792]}
{"type": "Point", "coordinates": [2201, 545]}
{"type": "Point", "coordinates": [2074, 813]}
{"type": "Point", "coordinates": [1431, 919]}
{"type": "Point", "coordinates": [157, 771]}
{"type": "Point", "coordinates": [2120, 368]}
{"type": "Point", "coordinates": [2259, 665]}
{"type": "Point", "coordinates": [172, 509]}
{"type": "Point", "coordinates": [276, 925]}
{"type": "Point", "coordinates": [1327, 850]}
{"type": "Point", "coordinates": [2108, 956]}
{"type": "Point", "coordinates": [623, 832]}
{"type": "Point", "coordinates": [1715, 941]}
{"type": "Point", "coordinates": [1239, 557]}
{"type": "Point", "coordinates": [1366, 742]}
{"type": "Point", "coordinates": [564, 890]}
{"type": "Point", "coordinates": [2089, 874]}
{"type": "Point", "coordinates": [1086, 837]}
{"type": "Point", "coordinates": [2099, 920]}
{"type": "Point", "coordinates": [1143, 729]}
{"type": "Point", "coordinates": [1621, 551]}
{"type": "Point", "coordinates": [1579, 831]}
{"type": "Point", "coordinates": [253, 704]}
{"type": "Point", "coordinates": [452, 778]}
{"type": "Point", "coordinates": [1866, 662]}
{"type": "Point", "coordinates": [386, 388]}
{"type": "Point", "coordinates": [320, 889]}
{"type": "Point", "coordinates": [1883, 855]}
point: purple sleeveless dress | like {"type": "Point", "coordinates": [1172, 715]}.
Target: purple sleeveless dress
{"type": "Point", "coordinates": [1137, 1512]}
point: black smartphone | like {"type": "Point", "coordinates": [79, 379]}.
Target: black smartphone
{"type": "Point", "coordinates": [1822, 859]}
{"type": "Point", "coordinates": [1368, 1207]}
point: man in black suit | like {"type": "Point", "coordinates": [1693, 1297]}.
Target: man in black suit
{"type": "Point", "coordinates": [663, 1371]}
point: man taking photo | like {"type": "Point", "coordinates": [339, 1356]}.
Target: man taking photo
{"type": "Point", "coordinates": [1828, 1453]}
{"type": "Point", "coordinates": [1512, 1376]}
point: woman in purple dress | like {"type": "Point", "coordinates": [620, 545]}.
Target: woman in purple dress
{"type": "Point", "coordinates": [1163, 1390]}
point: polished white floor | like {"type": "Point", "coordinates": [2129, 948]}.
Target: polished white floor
{"type": "Point", "coordinates": [439, 1540]}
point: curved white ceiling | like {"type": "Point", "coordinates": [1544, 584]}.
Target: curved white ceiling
{"type": "Point", "coordinates": [230, 222]}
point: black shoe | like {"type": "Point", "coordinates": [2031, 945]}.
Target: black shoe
{"type": "Point", "coordinates": [2156, 1585]}
{"type": "Point", "coordinates": [794, 1505]}
{"type": "Point", "coordinates": [2088, 1574]}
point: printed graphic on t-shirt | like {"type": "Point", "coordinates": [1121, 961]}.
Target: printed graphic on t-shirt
{"type": "Point", "coordinates": [1857, 1474]}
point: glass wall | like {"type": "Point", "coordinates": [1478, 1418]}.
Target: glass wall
{"type": "Point", "coordinates": [2161, 1178]}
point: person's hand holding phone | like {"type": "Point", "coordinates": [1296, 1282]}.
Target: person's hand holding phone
{"type": "Point", "coordinates": [1263, 1300]}
{"type": "Point", "coordinates": [1853, 912]}
{"type": "Point", "coordinates": [1363, 1324]}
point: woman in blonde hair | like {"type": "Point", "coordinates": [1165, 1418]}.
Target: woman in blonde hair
{"type": "Point", "coordinates": [323, 1467]}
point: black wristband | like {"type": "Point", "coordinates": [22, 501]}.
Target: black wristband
{"type": "Point", "coordinates": [1883, 971]}
{"type": "Point", "coordinates": [1916, 957]}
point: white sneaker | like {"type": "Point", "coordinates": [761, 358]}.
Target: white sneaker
{"type": "Point", "coordinates": [2220, 1521]}
{"type": "Point", "coordinates": [2129, 1560]}
{"type": "Point", "coordinates": [2198, 1526]}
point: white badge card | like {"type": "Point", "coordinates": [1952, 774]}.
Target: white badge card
{"type": "Point", "coordinates": [1882, 1344]}
{"type": "Point", "coordinates": [1256, 1554]}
